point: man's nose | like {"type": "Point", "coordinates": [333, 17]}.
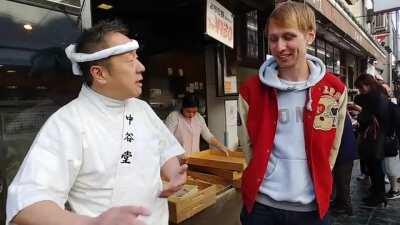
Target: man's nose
{"type": "Point", "coordinates": [280, 45]}
{"type": "Point", "coordinates": [140, 67]}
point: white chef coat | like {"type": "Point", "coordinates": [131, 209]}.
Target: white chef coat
{"type": "Point", "coordinates": [79, 156]}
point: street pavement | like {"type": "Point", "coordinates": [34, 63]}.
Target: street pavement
{"type": "Point", "coordinates": [364, 215]}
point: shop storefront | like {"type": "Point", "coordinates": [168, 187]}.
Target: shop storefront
{"type": "Point", "coordinates": [184, 50]}
{"type": "Point", "coordinates": [206, 47]}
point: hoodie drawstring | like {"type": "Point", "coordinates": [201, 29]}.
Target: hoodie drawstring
{"type": "Point", "coordinates": [309, 100]}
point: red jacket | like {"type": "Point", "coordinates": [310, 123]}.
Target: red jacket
{"type": "Point", "coordinates": [323, 126]}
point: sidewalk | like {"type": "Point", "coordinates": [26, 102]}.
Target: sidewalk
{"type": "Point", "coordinates": [364, 215]}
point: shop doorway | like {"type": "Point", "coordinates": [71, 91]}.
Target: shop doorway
{"type": "Point", "coordinates": [170, 34]}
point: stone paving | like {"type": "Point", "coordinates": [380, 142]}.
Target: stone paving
{"type": "Point", "coordinates": [364, 215]}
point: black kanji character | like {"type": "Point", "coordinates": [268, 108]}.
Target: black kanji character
{"type": "Point", "coordinates": [129, 137]}
{"type": "Point", "coordinates": [129, 118]}
{"type": "Point", "coordinates": [125, 156]}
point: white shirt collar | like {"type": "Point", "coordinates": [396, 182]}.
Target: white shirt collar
{"type": "Point", "coordinates": [108, 103]}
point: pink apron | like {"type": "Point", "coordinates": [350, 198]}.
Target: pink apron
{"type": "Point", "coordinates": [188, 132]}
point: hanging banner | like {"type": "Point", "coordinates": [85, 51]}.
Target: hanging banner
{"type": "Point", "coordinates": [381, 37]}
{"type": "Point", "coordinates": [231, 121]}
{"type": "Point", "coordinates": [219, 23]}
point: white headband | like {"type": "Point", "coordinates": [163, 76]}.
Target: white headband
{"type": "Point", "coordinates": [105, 53]}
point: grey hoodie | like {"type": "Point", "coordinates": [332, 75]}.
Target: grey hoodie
{"type": "Point", "coordinates": [269, 74]}
{"type": "Point", "coordinates": [287, 183]}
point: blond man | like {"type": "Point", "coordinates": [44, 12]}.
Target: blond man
{"type": "Point", "coordinates": [293, 114]}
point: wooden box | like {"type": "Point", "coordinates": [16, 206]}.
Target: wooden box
{"type": "Point", "coordinates": [237, 183]}
{"type": "Point", "coordinates": [185, 206]}
{"type": "Point", "coordinates": [216, 159]}
{"type": "Point", "coordinates": [221, 184]}
{"type": "Point", "coordinates": [228, 175]}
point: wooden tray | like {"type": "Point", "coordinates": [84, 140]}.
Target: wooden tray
{"type": "Point", "coordinates": [184, 207]}
{"type": "Point", "coordinates": [237, 153]}
{"type": "Point", "coordinates": [221, 185]}
{"type": "Point", "coordinates": [225, 174]}
{"type": "Point", "coordinates": [217, 159]}
{"type": "Point", "coordinates": [237, 183]}
{"type": "Point", "coordinates": [187, 191]}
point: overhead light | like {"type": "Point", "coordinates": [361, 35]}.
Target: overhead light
{"type": "Point", "coordinates": [105, 6]}
{"type": "Point", "coordinates": [28, 26]}
{"type": "Point", "coordinates": [11, 71]}
{"type": "Point", "coordinates": [41, 88]}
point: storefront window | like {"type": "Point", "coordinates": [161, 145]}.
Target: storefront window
{"type": "Point", "coordinates": [311, 49]}
{"type": "Point", "coordinates": [34, 71]}
{"type": "Point", "coordinates": [350, 77]}
{"type": "Point", "coordinates": [329, 57]}
{"type": "Point", "coordinates": [70, 2]}
{"type": "Point", "coordinates": [336, 60]}
{"type": "Point", "coordinates": [64, 6]}
{"type": "Point", "coordinates": [321, 49]}
{"type": "Point", "coordinates": [252, 34]}
{"type": "Point", "coordinates": [74, 3]}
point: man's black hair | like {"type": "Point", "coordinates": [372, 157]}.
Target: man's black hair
{"type": "Point", "coordinates": [93, 40]}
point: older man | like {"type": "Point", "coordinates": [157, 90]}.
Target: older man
{"type": "Point", "coordinates": [102, 152]}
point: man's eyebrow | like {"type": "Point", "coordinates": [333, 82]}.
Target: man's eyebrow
{"type": "Point", "coordinates": [289, 33]}
{"type": "Point", "coordinates": [283, 33]}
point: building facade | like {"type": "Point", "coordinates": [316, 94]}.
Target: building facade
{"type": "Point", "coordinates": [180, 51]}
{"type": "Point", "coordinates": [347, 26]}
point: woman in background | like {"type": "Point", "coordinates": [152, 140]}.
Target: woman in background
{"type": "Point", "coordinates": [391, 162]}
{"type": "Point", "coordinates": [188, 125]}
{"type": "Point", "coordinates": [373, 120]}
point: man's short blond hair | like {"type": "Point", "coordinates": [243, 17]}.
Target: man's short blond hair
{"type": "Point", "coordinates": [294, 15]}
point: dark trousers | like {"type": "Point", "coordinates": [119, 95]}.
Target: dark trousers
{"type": "Point", "coordinates": [342, 178]}
{"type": "Point", "coordinates": [265, 215]}
{"type": "Point", "coordinates": [363, 167]}
{"type": "Point", "coordinates": [377, 175]}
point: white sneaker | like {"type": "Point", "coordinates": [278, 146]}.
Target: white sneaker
{"type": "Point", "coordinates": [393, 195]}
{"type": "Point", "coordinates": [362, 177]}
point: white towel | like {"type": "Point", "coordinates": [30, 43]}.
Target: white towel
{"type": "Point", "coordinates": [102, 54]}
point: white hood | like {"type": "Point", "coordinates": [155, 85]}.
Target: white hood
{"type": "Point", "coordinates": [269, 74]}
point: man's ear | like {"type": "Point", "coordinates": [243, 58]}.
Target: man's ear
{"type": "Point", "coordinates": [310, 37]}
{"type": "Point", "coordinates": [98, 74]}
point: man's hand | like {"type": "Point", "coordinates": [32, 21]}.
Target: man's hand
{"type": "Point", "coordinates": [354, 107]}
{"type": "Point", "coordinates": [124, 215]}
{"type": "Point", "coordinates": [175, 183]}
